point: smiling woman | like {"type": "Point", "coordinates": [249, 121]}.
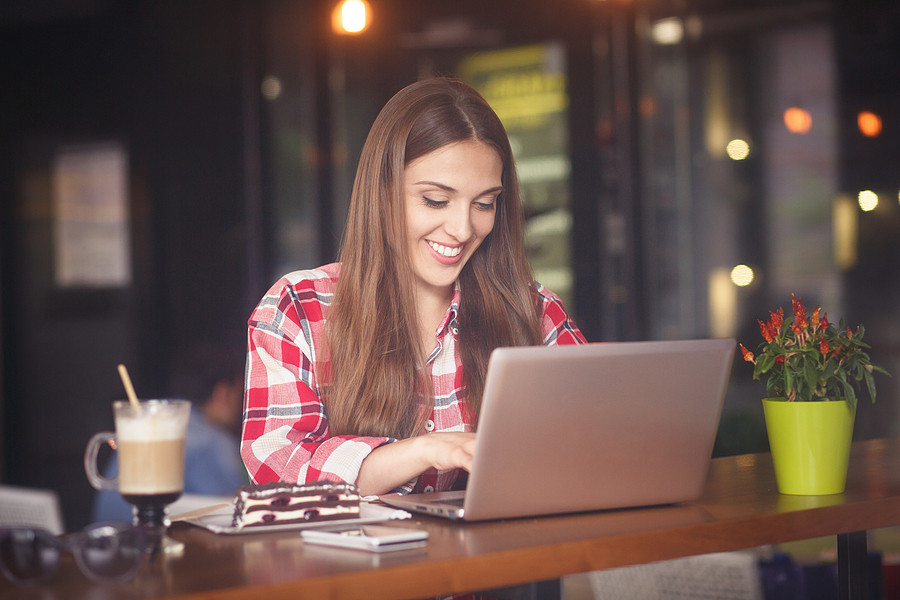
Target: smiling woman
{"type": "Point", "coordinates": [371, 370]}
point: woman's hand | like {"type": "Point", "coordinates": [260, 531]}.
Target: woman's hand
{"type": "Point", "coordinates": [392, 465]}
{"type": "Point", "coordinates": [450, 450]}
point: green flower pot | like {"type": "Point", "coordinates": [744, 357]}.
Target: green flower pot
{"type": "Point", "coordinates": [810, 444]}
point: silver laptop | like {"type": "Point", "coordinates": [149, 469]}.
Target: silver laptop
{"type": "Point", "coordinates": [598, 426]}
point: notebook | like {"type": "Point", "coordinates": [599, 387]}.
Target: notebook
{"type": "Point", "coordinates": [581, 428]}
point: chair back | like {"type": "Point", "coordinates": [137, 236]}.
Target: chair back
{"type": "Point", "coordinates": [30, 507]}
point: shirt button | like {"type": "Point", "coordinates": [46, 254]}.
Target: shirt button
{"type": "Point", "coordinates": [429, 425]}
{"type": "Point", "coordinates": [429, 488]}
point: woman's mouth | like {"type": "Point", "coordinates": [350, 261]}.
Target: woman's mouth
{"type": "Point", "coordinates": [446, 251]}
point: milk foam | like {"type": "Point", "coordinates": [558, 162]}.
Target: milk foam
{"type": "Point", "coordinates": [154, 424]}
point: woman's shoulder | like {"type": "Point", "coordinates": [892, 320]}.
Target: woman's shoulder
{"type": "Point", "coordinates": [320, 281]}
{"type": "Point", "coordinates": [545, 294]}
{"type": "Point", "coordinates": [298, 295]}
{"type": "Point", "coordinates": [557, 326]}
{"type": "Point", "coordinates": [324, 277]}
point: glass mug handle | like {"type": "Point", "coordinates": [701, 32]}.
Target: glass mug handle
{"type": "Point", "coordinates": [90, 461]}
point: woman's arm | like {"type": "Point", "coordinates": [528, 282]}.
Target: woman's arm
{"type": "Point", "coordinates": [285, 434]}
{"type": "Point", "coordinates": [392, 465]}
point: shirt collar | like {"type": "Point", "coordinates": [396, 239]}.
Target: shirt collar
{"type": "Point", "coordinates": [449, 321]}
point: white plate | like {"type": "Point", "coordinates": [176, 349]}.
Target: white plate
{"type": "Point", "coordinates": [220, 520]}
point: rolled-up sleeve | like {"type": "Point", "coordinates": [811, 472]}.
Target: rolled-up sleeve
{"type": "Point", "coordinates": [285, 435]}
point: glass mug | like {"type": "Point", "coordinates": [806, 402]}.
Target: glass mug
{"type": "Point", "coordinates": [150, 443]}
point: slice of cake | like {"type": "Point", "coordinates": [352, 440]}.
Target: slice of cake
{"type": "Point", "coordinates": [284, 503]}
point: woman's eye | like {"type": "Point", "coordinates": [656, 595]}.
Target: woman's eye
{"type": "Point", "coordinates": [484, 205]}
{"type": "Point", "coordinates": [434, 203]}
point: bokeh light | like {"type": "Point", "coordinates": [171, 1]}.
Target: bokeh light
{"type": "Point", "coordinates": [271, 87]}
{"type": "Point", "coordinates": [868, 200]}
{"type": "Point", "coordinates": [742, 275]}
{"type": "Point", "coordinates": [737, 149]}
{"type": "Point", "coordinates": [668, 31]}
{"type": "Point", "coordinates": [797, 120]}
{"type": "Point", "coordinates": [351, 16]}
{"type": "Point", "coordinates": [869, 123]}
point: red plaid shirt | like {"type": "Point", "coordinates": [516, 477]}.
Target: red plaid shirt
{"type": "Point", "coordinates": [285, 432]}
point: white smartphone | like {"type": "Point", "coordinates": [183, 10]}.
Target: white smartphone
{"type": "Point", "coordinates": [374, 538]}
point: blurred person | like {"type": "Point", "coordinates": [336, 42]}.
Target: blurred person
{"type": "Point", "coordinates": [212, 379]}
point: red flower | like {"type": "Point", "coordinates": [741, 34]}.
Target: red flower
{"type": "Point", "coordinates": [824, 322]}
{"type": "Point", "coordinates": [748, 356]}
{"type": "Point", "coordinates": [779, 360]}
{"type": "Point", "coordinates": [777, 318]}
{"type": "Point", "coordinates": [767, 331]}
{"type": "Point", "coordinates": [815, 318]}
{"type": "Point", "coordinates": [799, 314]}
{"type": "Point", "coordinates": [823, 347]}
{"type": "Point", "coordinates": [797, 305]}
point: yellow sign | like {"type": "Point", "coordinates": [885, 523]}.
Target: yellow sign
{"type": "Point", "coordinates": [523, 85]}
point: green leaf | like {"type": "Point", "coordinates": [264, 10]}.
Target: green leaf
{"type": "Point", "coordinates": [849, 395]}
{"type": "Point", "coordinates": [811, 374]}
{"type": "Point", "coordinates": [870, 383]}
{"type": "Point", "coordinates": [880, 370]}
{"type": "Point", "coordinates": [764, 363]}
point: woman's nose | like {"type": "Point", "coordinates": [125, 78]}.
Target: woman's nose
{"type": "Point", "coordinates": [459, 223]}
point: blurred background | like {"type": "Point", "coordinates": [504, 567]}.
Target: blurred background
{"type": "Point", "coordinates": [686, 166]}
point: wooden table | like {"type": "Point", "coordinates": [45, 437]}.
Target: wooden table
{"type": "Point", "coordinates": [739, 509]}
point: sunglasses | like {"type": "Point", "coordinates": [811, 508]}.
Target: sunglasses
{"type": "Point", "coordinates": [105, 552]}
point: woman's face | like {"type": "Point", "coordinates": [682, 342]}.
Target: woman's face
{"type": "Point", "coordinates": [450, 196]}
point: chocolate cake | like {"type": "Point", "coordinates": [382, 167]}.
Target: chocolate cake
{"type": "Point", "coordinates": [284, 503]}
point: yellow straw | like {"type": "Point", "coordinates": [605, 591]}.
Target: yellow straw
{"type": "Point", "coordinates": [129, 389]}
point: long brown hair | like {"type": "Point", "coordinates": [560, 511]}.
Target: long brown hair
{"type": "Point", "coordinates": [376, 379]}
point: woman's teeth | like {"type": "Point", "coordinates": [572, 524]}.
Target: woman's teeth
{"type": "Point", "coordinates": [444, 250]}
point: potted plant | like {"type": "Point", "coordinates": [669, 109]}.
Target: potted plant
{"type": "Point", "coordinates": [814, 371]}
